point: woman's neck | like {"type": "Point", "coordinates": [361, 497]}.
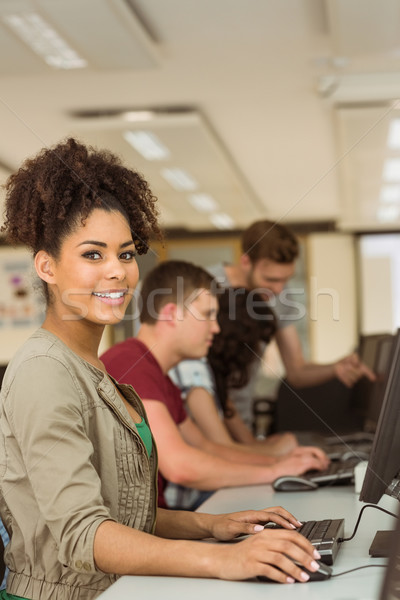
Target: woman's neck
{"type": "Point", "coordinates": [81, 337]}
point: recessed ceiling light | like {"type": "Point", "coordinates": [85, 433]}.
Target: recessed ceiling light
{"type": "Point", "coordinates": [203, 203]}
{"type": "Point", "coordinates": [394, 134]}
{"type": "Point", "coordinates": [391, 169]}
{"type": "Point", "coordinates": [32, 29]}
{"type": "Point", "coordinates": [147, 144]}
{"type": "Point", "coordinates": [222, 221]}
{"type": "Point", "coordinates": [138, 115]}
{"type": "Point", "coordinates": [390, 193]}
{"type": "Point", "coordinates": [179, 179]}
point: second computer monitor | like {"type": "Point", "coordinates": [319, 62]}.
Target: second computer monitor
{"type": "Point", "coordinates": [381, 368]}
{"type": "Point", "coordinates": [384, 460]}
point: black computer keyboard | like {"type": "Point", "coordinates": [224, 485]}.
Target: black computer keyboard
{"type": "Point", "coordinates": [324, 535]}
{"type": "Point", "coordinates": [358, 437]}
{"type": "Point", "coordinates": [344, 451]}
{"type": "Point", "coordinates": [337, 472]}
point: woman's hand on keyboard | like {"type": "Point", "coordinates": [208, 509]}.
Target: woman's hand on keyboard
{"type": "Point", "coordinates": [302, 459]}
{"type": "Point", "coordinates": [268, 554]}
{"type": "Point", "coordinates": [228, 526]}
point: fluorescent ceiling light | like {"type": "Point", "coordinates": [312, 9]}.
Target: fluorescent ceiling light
{"type": "Point", "coordinates": [394, 134]}
{"type": "Point", "coordinates": [391, 169]}
{"type": "Point", "coordinates": [203, 202]}
{"type": "Point", "coordinates": [138, 115]}
{"type": "Point", "coordinates": [179, 179]}
{"type": "Point", "coordinates": [44, 40]}
{"type": "Point", "coordinates": [388, 214]}
{"type": "Point", "coordinates": [147, 144]}
{"type": "Point", "coordinates": [390, 193]}
{"type": "Point", "coordinates": [222, 221]}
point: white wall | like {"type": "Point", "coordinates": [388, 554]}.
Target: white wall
{"type": "Point", "coordinates": [21, 308]}
{"type": "Point", "coordinates": [11, 340]}
{"type": "Point", "coordinates": [380, 283]}
{"type": "Point", "coordinates": [332, 293]}
{"type": "Point", "coordinates": [376, 291]}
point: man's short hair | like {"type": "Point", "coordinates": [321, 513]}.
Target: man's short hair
{"type": "Point", "coordinates": [266, 239]}
{"type": "Point", "coordinates": [171, 281]}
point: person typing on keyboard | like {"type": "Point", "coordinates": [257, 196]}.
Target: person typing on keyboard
{"type": "Point", "coordinates": [270, 250]}
{"type": "Point", "coordinates": [179, 306]}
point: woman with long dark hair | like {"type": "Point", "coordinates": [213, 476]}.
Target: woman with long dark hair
{"type": "Point", "coordinates": [247, 325]}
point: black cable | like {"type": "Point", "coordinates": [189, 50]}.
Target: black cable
{"type": "Point", "coordinates": [356, 569]}
{"type": "Point", "coordinates": [359, 519]}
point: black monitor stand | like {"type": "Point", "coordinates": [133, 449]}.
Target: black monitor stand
{"type": "Point", "coordinates": [381, 544]}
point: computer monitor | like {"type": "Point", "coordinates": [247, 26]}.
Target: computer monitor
{"type": "Point", "coordinates": [384, 460]}
{"type": "Point", "coordinates": [381, 368]}
{"type": "Point", "coordinates": [368, 346]}
{"type": "Point", "coordinates": [374, 351]}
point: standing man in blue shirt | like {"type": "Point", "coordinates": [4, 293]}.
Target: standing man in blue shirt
{"type": "Point", "coordinates": [267, 264]}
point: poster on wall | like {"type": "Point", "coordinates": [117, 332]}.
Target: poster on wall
{"type": "Point", "coordinates": [21, 305]}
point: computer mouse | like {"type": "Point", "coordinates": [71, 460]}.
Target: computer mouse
{"type": "Point", "coordinates": [356, 454]}
{"type": "Point", "coordinates": [293, 483]}
{"type": "Point", "coordinates": [324, 572]}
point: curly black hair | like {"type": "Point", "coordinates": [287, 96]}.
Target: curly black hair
{"type": "Point", "coordinates": [245, 321]}
{"type": "Point", "coordinates": [56, 190]}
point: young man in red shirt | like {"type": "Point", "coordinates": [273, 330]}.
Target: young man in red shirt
{"type": "Point", "coordinates": [178, 315]}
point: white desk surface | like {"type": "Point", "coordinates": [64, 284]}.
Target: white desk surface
{"type": "Point", "coordinates": [337, 502]}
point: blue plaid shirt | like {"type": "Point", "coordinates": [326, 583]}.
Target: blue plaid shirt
{"type": "Point", "coordinates": [6, 539]}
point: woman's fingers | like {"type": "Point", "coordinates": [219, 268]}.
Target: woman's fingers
{"type": "Point", "coordinates": [279, 554]}
{"type": "Point", "coordinates": [283, 517]}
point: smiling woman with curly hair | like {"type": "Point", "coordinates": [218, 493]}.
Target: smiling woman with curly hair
{"type": "Point", "coordinates": [78, 464]}
{"type": "Point", "coordinates": [58, 189]}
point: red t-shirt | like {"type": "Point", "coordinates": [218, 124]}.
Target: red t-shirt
{"type": "Point", "coordinates": [133, 363]}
